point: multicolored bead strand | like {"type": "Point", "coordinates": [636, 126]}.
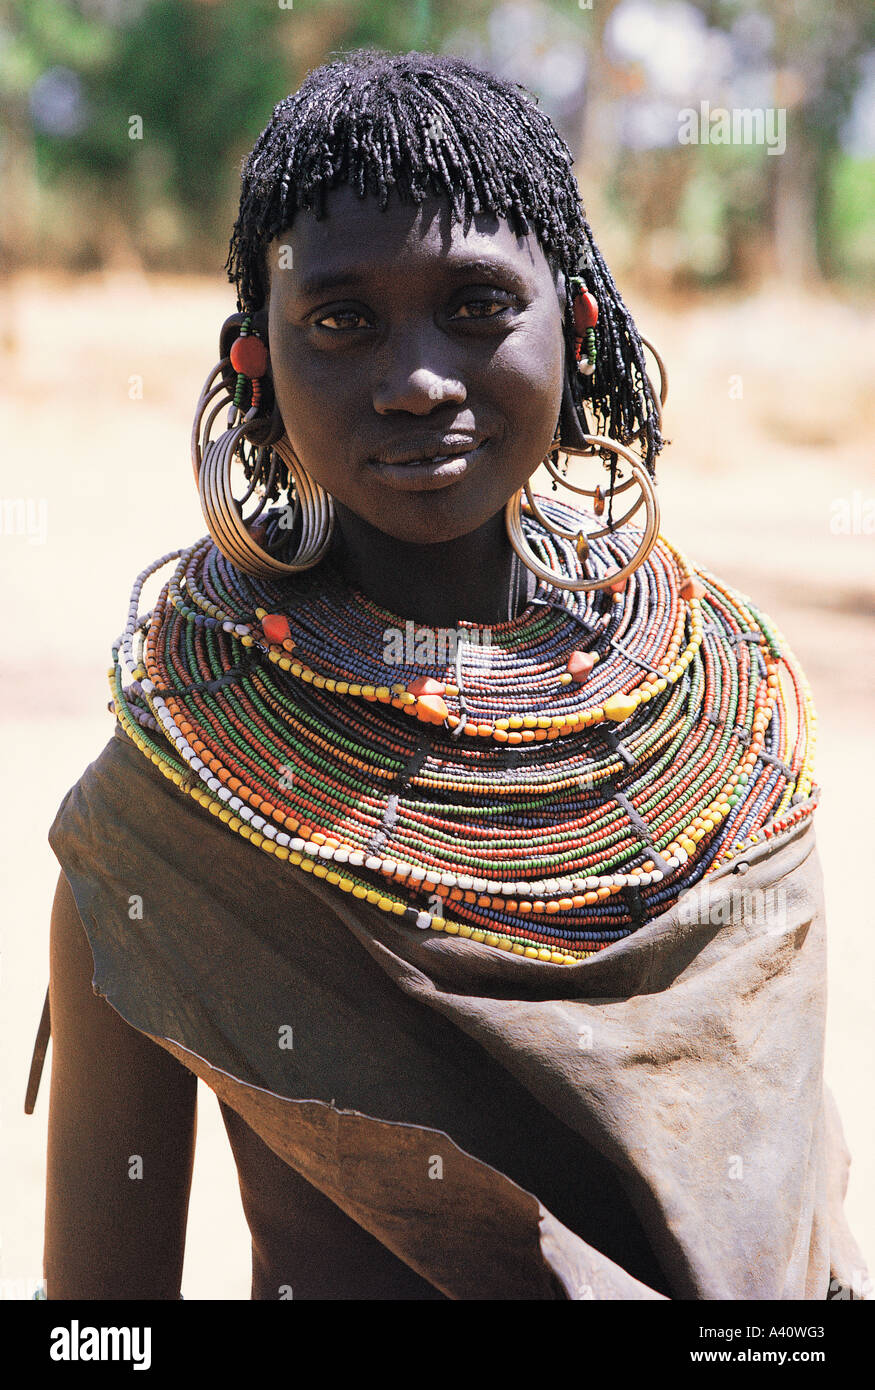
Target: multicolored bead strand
{"type": "Point", "coordinates": [545, 791]}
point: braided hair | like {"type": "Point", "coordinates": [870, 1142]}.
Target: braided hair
{"type": "Point", "coordinates": [428, 124]}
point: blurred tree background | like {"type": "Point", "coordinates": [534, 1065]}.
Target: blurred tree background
{"type": "Point", "coordinates": [124, 122]}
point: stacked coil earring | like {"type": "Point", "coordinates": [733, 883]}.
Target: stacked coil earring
{"type": "Point", "coordinates": [647, 498]}
{"type": "Point", "coordinates": [212, 460]}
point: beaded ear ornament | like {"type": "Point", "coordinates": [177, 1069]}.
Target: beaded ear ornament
{"type": "Point", "coordinates": [313, 512]}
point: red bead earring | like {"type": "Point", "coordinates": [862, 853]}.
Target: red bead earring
{"type": "Point", "coordinates": [586, 315]}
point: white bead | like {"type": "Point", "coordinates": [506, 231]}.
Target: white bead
{"type": "Point", "coordinates": [283, 838]}
{"type": "Point", "coordinates": [246, 812]}
{"type": "Point", "coordinates": [493, 885]}
{"type": "Point", "coordinates": [326, 852]}
{"type": "Point", "coordinates": [227, 627]}
{"type": "Point", "coordinates": [372, 862]}
{"type": "Point", "coordinates": [402, 869]}
{"type": "Point", "coordinates": [423, 919]}
{"type": "Point", "coordinates": [388, 866]}
{"type": "Point", "coordinates": [213, 783]}
{"type": "Point", "coordinates": [591, 884]}
{"type": "Point", "coordinates": [341, 856]}
{"type": "Point", "coordinates": [479, 885]}
{"type": "Point", "coordinates": [235, 803]}
{"type": "Point", "coordinates": [296, 844]}
{"type": "Point", "coordinates": [311, 847]}
{"type": "Point", "coordinates": [448, 880]}
{"type": "Point", "coordinates": [224, 794]}
{"type": "Point", "coordinates": [466, 882]}
{"type": "Point", "coordinates": [417, 875]}
{"type": "Point", "coordinates": [196, 764]}
{"type": "Point", "coordinates": [269, 831]}
{"type": "Point", "coordinates": [257, 822]}
{"type": "Point", "coordinates": [357, 859]}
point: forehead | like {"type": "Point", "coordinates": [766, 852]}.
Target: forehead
{"type": "Point", "coordinates": [358, 239]}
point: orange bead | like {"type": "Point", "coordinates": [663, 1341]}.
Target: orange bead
{"type": "Point", "coordinates": [431, 709]}
{"type": "Point", "coordinates": [692, 588]}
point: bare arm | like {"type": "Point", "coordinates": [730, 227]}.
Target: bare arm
{"type": "Point", "coordinates": [115, 1097]}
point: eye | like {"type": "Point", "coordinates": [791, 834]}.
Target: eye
{"type": "Point", "coordinates": [340, 319]}
{"type": "Point", "coordinates": [481, 309]}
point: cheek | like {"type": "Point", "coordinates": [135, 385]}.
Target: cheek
{"type": "Point", "coordinates": [528, 371]}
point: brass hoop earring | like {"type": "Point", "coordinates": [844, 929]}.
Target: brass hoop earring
{"type": "Point", "coordinates": [223, 513]}
{"type": "Point", "coordinates": [640, 475]}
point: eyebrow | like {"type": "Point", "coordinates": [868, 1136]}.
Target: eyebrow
{"type": "Point", "coordinates": [320, 282]}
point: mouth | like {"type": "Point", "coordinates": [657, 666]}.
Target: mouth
{"type": "Point", "coordinates": [429, 472]}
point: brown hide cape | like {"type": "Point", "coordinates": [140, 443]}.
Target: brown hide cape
{"type": "Point", "coordinates": [649, 1122]}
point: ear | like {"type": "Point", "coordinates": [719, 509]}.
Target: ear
{"type": "Point", "coordinates": [269, 427]}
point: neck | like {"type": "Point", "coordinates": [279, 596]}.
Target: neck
{"type": "Point", "coordinates": [465, 579]}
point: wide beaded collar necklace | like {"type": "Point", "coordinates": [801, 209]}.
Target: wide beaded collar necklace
{"type": "Point", "coordinates": [545, 785]}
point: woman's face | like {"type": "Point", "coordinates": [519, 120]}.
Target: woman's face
{"type": "Point", "coordinates": [394, 337]}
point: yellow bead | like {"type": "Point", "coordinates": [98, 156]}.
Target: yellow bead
{"type": "Point", "coordinates": [438, 924]}
{"type": "Point", "coordinates": [332, 876]}
{"type": "Point", "coordinates": [319, 871]}
{"type": "Point", "coordinates": [399, 909]}
{"type": "Point", "coordinates": [285, 664]}
{"type": "Point", "coordinates": [491, 939]}
{"type": "Point", "coordinates": [248, 641]}
{"type": "Point", "coordinates": [297, 668]}
{"type": "Point", "coordinates": [342, 687]}
{"type": "Point", "coordinates": [385, 904]}
{"type": "Point", "coordinates": [620, 706]}
{"type": "Point", "coordinates": [518, 950]}
{"type": "Point", "coordinates": [383, 692]}
{"type": "Point", "coordinates": [359, 892]}
{"type": "Point", "coordinates": [478, 936]}
{"type": "Point", "coordinates": [281, 852]}
{"type": "Point", "coordinates": [531, 952]}
{"type": "Point", "coordinates": [452, 928]}
{"type": "Point", "coordinates": [464, 930]}
{"type": "Point", "coordinates": [355, 689]}
{"type": "Point", "coordinates": [306, 673]}
{"type": "Point", "coordinates": [373, 896]}
{"type": "Point", "coordinates": [318, 681]}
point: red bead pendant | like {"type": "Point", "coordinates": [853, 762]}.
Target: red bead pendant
{"type": "Point", "coordinates": [426, 685]}
{"type": "Point", "coordinates": [249, 356]}
{"type": "Point", "coordinates": [692, 588]}
{"type": "Point", "coordinates": [275, 627]}
{"type": "Point", "coordinates": [586, 312]}
{"type": "Point", "coordinates": [580, 664]}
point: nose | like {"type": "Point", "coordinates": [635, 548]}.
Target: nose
{"type": "Point", "coordinates": [414, 379]}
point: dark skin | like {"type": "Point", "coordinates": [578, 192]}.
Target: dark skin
{"type": "Point", "coordinates": [429, 332]}
{"type": "Point", "coordinates": [437, 333]}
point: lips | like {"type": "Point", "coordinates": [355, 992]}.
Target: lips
{"type": "Point", "coordinates": [428, 471]}
{"type": "Point", "coordinates": [420, 451]}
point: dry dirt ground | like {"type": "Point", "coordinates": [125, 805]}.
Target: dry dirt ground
{"type": "Point", "coordinates": [768, 482]}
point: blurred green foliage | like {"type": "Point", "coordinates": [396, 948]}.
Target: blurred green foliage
{"type": "Point", "coordinates": [86, 182]}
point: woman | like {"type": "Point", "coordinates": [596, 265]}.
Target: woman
{"type": "Point", "coordinates": [546, 1027]}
